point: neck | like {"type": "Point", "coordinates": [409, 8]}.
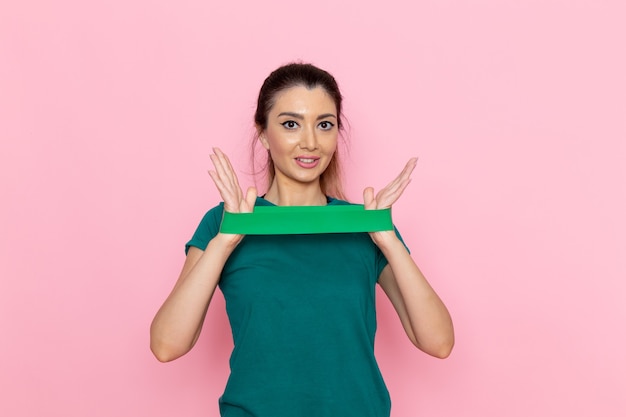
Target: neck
{"type": "Point", "coordinates": [290, 194]}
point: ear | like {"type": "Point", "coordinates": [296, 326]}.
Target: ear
{"type": "Point", "coordinates": [264, 141]}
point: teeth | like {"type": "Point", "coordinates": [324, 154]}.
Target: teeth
{"type": "Point", "coordinates": [306, 160]}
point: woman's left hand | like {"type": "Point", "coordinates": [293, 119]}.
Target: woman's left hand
{"type": "Point", "coordinates": [386, 197]}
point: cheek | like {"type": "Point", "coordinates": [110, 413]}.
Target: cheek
{"type": "Point", "coordinates": [280, 141]}
{"type": "Point", "coordinates": [331, 145]}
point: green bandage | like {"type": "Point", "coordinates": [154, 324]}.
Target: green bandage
{"type": "Point", "coordinates": [285, 220]}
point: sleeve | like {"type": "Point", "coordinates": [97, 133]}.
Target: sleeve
{"type": "Point", "coordinates": [381, 261]}
{"type": "Point", "coordinates": [207, 229]}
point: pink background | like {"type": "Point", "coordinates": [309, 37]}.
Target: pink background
{"type": "Point", "coordinates": [517, 110]}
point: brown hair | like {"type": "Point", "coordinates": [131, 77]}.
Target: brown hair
{"type": "Point", "coordinates": [309, 76]}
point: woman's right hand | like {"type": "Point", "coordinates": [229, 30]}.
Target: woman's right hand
{"type": "Point", "coordinates": [227, 184]}
{"type": "Point", "coordinates": [178, 323]}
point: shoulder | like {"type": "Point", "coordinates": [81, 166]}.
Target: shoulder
{"type": "Point", "coordinates": [207, 229]}
{"type": "Point", "coordinates": [213, 217]}
{"type": "Point", "coordinates": [210, 225]}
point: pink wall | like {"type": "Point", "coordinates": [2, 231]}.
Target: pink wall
{"type": "Point", "coordinates": [517, 110]}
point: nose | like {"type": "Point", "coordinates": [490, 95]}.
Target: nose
{"type": "Point", "coordinates": [308, 140]}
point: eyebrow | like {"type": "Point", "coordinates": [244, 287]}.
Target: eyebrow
{"type": "Point", "coordinates": [301, 117]}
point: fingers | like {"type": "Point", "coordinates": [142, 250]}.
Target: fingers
{"type": "Point", "coordinates": [251, 195]}
{"type": "Point", "coordinates": [389, 197]}
{"type": "Point", "coordinates": [226, 181]}
{"type": "Point", "coordinates": [225, 170]}
{"type": "Point", "coordinates": [368, 199]}
{"type": "Point", "coordinates": [390, 194]}
{"type": "Point", "coordinates": [403, 176]}
{"type": "Point", "coordinates": [218, 182]}
{"type": "Point", "coordinates": [406, 172]}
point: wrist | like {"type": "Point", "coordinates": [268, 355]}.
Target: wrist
{"type": "Point", "coordinates": [226, 241]}
{"type": "Point", "coordinates": [385, 239]}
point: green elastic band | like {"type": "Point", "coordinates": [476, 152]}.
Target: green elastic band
{"type": "Point", "coordinates": [285, 220]}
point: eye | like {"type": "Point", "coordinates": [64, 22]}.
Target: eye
{"type": "Point", "coordinates": [326, 125]}
{"type": "Point", "coordinates": [290, 124]}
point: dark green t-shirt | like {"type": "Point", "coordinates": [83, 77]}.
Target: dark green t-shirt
{"type": "Point", "coordinates": [302, 314]}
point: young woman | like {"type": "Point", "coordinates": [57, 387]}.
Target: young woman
{"type": "Point", "coordinates": [301, 306]}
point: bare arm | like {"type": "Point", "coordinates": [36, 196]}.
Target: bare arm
{"type": "Point", "coordinates": [423, 315]}
{"type": "Point", "coordinates": [178, 323]}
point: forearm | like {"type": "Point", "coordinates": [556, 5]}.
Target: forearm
{"type": "Point", "coordinates": [428, 318]}
{"type": "Point", "coordinates": [178, 322]}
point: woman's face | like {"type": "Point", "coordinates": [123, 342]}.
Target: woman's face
{"type": "Point", "coordinates": [301, 134]}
